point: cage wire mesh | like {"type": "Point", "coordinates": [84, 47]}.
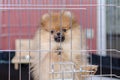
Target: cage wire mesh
{"type": "Point", "coordinates": [20, 23]}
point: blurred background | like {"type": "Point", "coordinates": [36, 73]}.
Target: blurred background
{"type": "Point", "coordinates": [19, 20]}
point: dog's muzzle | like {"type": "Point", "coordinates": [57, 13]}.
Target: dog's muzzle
{"type": "Point", "coordinates": [59, 37]}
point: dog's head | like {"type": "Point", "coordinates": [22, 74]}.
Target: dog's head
{"type": "Point", "coordinates": [57, 24]}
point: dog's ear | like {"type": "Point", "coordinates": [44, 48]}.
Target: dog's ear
{"type": "Point", "coordinates": [46, 15]}
{"type": "Point", "coordinates": [43, 19]}
{"type": "Point", "coordinates": [70, 15]}
{"type": "Point", "coordinates": [67, 13]}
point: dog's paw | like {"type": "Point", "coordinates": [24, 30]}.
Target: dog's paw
{"type": "Point", "coordinates": [89, 69]}
{"type": "Point", "coordinates": [93, 69]}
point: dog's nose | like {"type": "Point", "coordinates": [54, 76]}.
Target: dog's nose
{"type": "Point", "coordinates": [59, 37]}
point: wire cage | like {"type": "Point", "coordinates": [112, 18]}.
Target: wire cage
{"type": "Point", "coordinates": [24, 46]}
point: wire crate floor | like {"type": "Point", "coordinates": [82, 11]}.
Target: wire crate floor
{"type": "Point", "coordinates": [101, 78]}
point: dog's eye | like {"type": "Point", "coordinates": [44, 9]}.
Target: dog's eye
{"type": "Point", "coordinates": [64, 30]}
{"type": "Point", "coordinates": [52, 31]}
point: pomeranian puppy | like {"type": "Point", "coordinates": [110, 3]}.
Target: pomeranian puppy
{"type": "Point", "coordinates": [60, 41]}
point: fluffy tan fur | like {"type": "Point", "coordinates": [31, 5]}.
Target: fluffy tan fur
{"type": "Point", "coordinates": [44, 41]}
